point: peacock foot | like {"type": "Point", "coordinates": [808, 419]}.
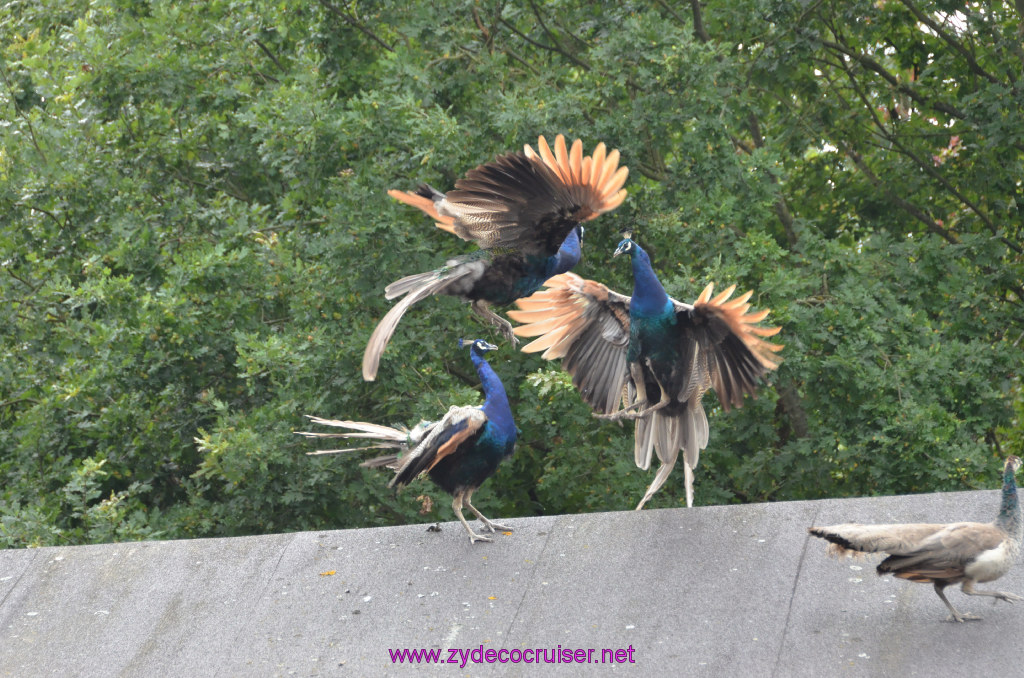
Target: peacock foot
{"type": "Point", "coordinates": [495, 527]}
{"type": "Point", "coordinates": [474, 537]}
{"type": "Point", "coordinates": [962, 617]}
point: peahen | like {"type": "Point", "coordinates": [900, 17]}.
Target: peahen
{"type": "Point", "coordinates": [524, 210]}
{"type": "Point", "coordinates": [942, 555]}
{"type": "Point", "coordinates": [459, 452]}
{"type": "Point", "coordinates": [656, 355]}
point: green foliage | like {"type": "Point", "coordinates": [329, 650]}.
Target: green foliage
{"type": "Point", "coordinates": [196, 235]}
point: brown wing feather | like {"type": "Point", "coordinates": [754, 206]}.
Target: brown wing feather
{"type": "Point", "coordinates": [473, 425]}
{"type": "Point", "coordinates": [430, 450]}
{"type": "Point", "coordinates": [445, 223]}
{"type": "Point", "coordinates": [528, 202]}
{"type": "Point", "coordinates": [732, 353]}
{"type": "Point", "coordinates": [587, 326]}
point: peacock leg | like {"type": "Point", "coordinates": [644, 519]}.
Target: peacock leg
{"type": "Point", "coordinates": [625, 412]}
{"type": "Point", "coordinates": [968, 588]}
{"type": "Point", "coordinates": [505, 327]}
{"type": "Point", "coordinates": [457, 499]}
{"type": "Point", "coordinates": [636, 374]}
{"type": "Point", "coordinates": [954, 615]}
{"type": "Point", "coordinates": [488, 525]}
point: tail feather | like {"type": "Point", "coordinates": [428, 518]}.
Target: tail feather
{"type": "Point", "coordinates": [895, 539]}
{"type": "Point", "coordinates": [667, 434]}
{"type": "Point", "coordinates": [384, 437]}
{"type": "Point", "coordinates": [415, 288]}
{"type": "Point", "coordinates": [643, 443]}
{"type": "Point", "coordinates": [317, 453]}
{"type": "Point", "coordinates": [409, 283]}
{"type": "Point", "coordinates": [369, 430]}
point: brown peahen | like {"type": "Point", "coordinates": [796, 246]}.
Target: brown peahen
{"type": "Point", "coordinates": [524, 210]}
{"type": "Point", "coordinates": [942, 555]}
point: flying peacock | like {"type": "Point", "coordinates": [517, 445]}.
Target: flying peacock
{"type": "Point", "coordinates": [524, 210]}
{"type": "Point", "coordinates": [654, 355]}
{"type": "Point", "coordinates": [459, 452]}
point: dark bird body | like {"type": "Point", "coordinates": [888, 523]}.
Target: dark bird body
{"type": "Point", "coordinates": [942, 554]}
{"type": "Point", "coordinates": [458, 453]}
{"type": "Point", "coordinates": [652, 354]}
{"type": "Point", "coordinates": [524, 210]}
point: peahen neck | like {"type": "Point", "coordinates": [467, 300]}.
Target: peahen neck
{"type": "Point", "coordinates": [649, 297]}
{"type": "Point", "coordinates": [568, 255]}
{"type": "Point", "coordinates": [1009, 510]}
{"type": "Point", "coordinates": [495, 400]}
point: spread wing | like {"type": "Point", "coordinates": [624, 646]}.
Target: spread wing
{"type": "Point", "coordinates": [458, 425]}
{"type": "Point", "coordinates": [723, 346]}
{"type": "Point", "coordinates": [587, 326]}
{"type": "Point", "coordinates": [527, 201]}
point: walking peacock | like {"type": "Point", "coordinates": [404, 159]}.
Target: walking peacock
{"type": "Point", "coordinates": [524, 210]}
{"type": "Point", "coordinates": [459, 452]}
{"type": "Point", "coordinates": [942, 555]}
{"type": "Point", "coordinates": [655, 355]}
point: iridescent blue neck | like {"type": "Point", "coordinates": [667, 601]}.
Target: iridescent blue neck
{"type": "Point", "coordinates": [649, 297]}
{"type": "Point", "coordinates": [568, 255]}
{"type": "Point", "coordinates": [495, 399]}
{"type": "Point", "coordinates": [1009, 511]}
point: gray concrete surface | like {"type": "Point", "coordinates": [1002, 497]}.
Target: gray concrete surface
{"type": "Point", "coordinates": [715, 591]}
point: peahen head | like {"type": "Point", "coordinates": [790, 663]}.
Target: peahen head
{"type": "Point", "coordinates": [479, 345]}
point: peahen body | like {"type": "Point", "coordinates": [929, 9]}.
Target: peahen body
{"type": "Point", "coordinates": [458, 452]}
{"type": "Point", "coordinates": [653, 354]}
{"type": "Point", "coordinates": [524, 210]}
{"type": "Point", "coordinates": [943, 554]}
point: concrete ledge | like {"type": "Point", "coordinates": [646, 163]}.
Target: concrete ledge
{"type": "Point", "coordinates": [711, 591]}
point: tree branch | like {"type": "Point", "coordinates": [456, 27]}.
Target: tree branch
{"type": "Point", "coordinates": [353, 21]}
{"type": "Point", "coordinates": [907, 206]}
{"type": "Point", "coordinates": [270, 55]}
{"type": "Point", "coordinates": [698, 22]}
{"type": "Point", "coordinates": [927, 167]}
{"type": "Point", "coordinates": [959, 48]}
{"type": "Point", "coordinates": [903, 88]}
{"type": "Point", "coordinates": [556, 49]}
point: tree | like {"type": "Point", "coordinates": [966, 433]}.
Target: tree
{"type": "Point", "coordinates": [196, 237]}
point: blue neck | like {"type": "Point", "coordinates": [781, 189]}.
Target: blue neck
{"type": "Point", "coordinates": [1009, 511]}
{"type": "Point", "coordinates": [649, 297]}
{"type": "Point", "coordinates": [495, 400]}
{"type": "Point", "coordinates": [568, 255]}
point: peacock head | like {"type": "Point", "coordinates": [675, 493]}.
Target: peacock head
{"type": "Point", "coordinates": [626, 246]}
{"type": "Point", "coordinates": [1012, 464]}
{"type": "Point", "coordinates": [479, 345]}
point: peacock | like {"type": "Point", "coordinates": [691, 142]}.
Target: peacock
{"type": "Point", "coordinates": [653, 354]}
{"type": "Point", "coordinates": [942, 555]}
{"type": "Point", "coordinates": [525, 211]}
{"type": "Point", "coordinates": [459, 452]}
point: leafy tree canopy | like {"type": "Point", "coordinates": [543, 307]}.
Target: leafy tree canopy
{"type": "Point", "coordinates": [195, 238]}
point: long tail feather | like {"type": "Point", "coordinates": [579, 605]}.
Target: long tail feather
{"type": "Point", "coordinates": [668, 434]}
{"type": "Point", "coordinates": [428, 284]}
